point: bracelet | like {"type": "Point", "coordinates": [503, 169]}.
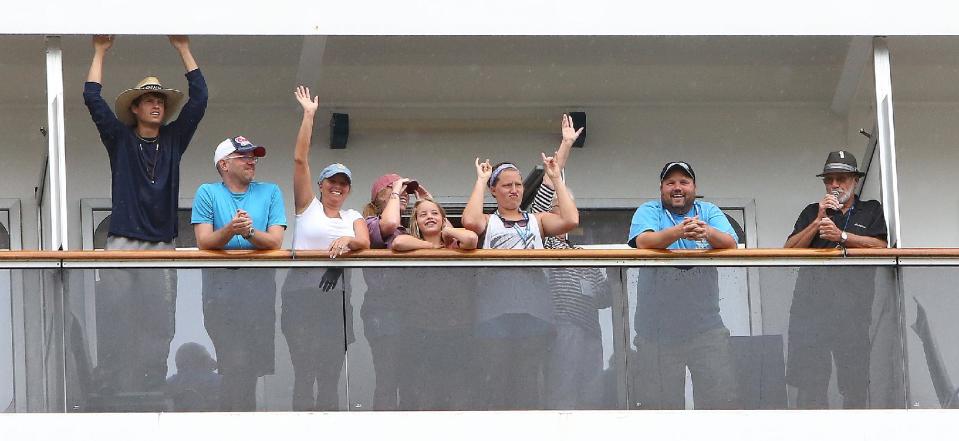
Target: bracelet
{"type": "Point", "coordinates": [394, 195]}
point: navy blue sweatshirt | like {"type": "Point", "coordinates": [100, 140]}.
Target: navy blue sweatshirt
{"type": "Point", "coordinates": [145, 179]}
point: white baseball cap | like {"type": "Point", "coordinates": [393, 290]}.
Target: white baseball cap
{"type": "Point", "coordinates": [237, 144]}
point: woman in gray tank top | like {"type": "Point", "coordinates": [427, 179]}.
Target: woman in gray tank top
{"type": "Point", "coordinates": [514, 309]}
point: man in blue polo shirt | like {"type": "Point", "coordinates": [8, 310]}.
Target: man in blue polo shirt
{"type": "Point", "coordinates": [677, 321]}
{"type": "Point", "coordinates": [136, 307]}
{"type": "Point", "coordinates": [239, 311]}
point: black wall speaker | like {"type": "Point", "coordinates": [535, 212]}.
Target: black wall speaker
{"type": "Point", "coordinates": [339, 130]}
{"type": "Point", "coordinates": [579, 120]}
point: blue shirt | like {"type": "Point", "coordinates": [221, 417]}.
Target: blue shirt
{"type": "Point", "coordinates": [145, 177]}
{"type": "Point", "coordinates": [651, 216]}
{"type": "Point", "coordinates": [677, 303]}
{"type": "Point", "coordinates": [215, 204]}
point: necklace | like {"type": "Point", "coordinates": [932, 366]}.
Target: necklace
{"type": "Point", "coordinates": [151, 166]}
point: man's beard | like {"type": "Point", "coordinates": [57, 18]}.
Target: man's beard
{"type": "Point", "coordinates": [682, 209]}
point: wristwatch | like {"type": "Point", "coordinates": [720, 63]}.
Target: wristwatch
{"type": "Point", "coordinates": [249, 234]}
{"type": "Point", "coordinates": [843, 237]}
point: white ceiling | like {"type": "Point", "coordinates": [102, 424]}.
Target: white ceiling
{"type": "Point", "coordinates": [490, 71]}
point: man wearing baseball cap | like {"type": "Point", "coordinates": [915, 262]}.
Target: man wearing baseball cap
{"type": "Point", "coordinates": [678, 325]}
{"type": "Point", "coordinates": [832, 307]}
{"type": "Point", "coordinates": [144, 148]}
{"type": "Point", "coordinates": [239, 213]}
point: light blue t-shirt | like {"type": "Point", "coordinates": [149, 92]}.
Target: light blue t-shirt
{"type": "Point", "coordinates": [215, 204]}
{"type": "Point", "coordinates": [651, 216]}
{"type": "Point", "coordinates": [675, 303]}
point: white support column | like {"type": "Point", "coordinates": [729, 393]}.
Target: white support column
{"type": "Point", "coordinates": [886, 140]}
{"type": "Point", "coordinates": [56, 173]}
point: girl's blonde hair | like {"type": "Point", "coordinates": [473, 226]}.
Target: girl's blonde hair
{"type": "Point", "coordinates": [375, 207]}
{"type": "Point", "coordinates": [414, 226]}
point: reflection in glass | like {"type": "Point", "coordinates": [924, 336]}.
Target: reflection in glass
{"type": "Point", "coordinates": [678, 327]}
{"type": "Point", "coordinates": [240, 317]}
{"type": "Point", "coordinates": [829, 322]}
{"type": "Point", "coordinates": [6, 343]}
{"type": "Point", "coordinates": [195, 386]}
{"type": "Point", "coordinates": [487, 338]}
{"type": "Point", "coordinates": [384, 327]}
{"type": "Point", "coordinates": [574, 369]}
{"type": "Point", "coordinates": [313, 324]}
{"type": "Point", "coordinates": [515, 326]}
{"type": "Point", "coordinates": [439, 360]}
{"type": "Point", "coordinates": [135, 310]}
{"type": "Point", "coordinates": [930, 310]}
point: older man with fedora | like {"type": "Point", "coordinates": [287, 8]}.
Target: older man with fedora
{"type": "Point", "coordinates": [136, 307]}
{"type": "Point", "coordinates": [832, 306]}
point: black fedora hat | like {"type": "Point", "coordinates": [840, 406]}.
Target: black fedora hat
{"type": "Point", "coordinates": [841, 162]}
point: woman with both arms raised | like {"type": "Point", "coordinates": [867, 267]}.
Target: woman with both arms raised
{"type": "Point", "coordinates": [514, 320]}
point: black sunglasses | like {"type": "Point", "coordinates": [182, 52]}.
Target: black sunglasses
{"type": "Point", "coordinates": [522, 223]}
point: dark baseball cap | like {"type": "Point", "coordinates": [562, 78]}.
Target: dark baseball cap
{"type": "Point", "coordinates": [685, 167]}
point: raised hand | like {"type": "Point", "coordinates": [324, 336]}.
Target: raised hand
{"type": "Point", "coordinates": [179, 41]}
{"type": "Point", "coordinates": [569, 133]}
{"type": "Point", "coordinates": [483, 170]}
{"type": "Point", "coordinates": [423, 193]}
{"type": "Point", "coordinates": [399, 186]}
{"type": "Point", "coordinates": [102, 42]}
{"type": "Point", "coordinates": [551, 167]}
{"type": "Point", "coordinates": [303, 96]}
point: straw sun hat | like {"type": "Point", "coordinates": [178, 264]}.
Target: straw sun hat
{"type": "Point", "coordinates": [147, 85]}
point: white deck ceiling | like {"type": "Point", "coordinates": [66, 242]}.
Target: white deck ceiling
{"type": "Point", "coordinates": [493, 71]}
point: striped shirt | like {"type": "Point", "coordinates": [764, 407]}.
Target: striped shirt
{"type": "Point", "coordinates": [577, 292]}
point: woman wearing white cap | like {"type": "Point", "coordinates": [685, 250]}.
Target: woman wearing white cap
{"type": "Point", "coordinates": [313, 323]}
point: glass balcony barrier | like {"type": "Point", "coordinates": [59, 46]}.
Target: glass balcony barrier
{"type": "Point", "coordinates": [483, 330]}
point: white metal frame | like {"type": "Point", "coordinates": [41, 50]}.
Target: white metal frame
{"type": "Point", "coordinates": [886, 139]}
{"type": "Point", "coordinates": [55, 142]}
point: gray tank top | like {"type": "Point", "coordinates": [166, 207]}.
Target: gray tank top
{"type": "Point", "coordinates": [513, 290]}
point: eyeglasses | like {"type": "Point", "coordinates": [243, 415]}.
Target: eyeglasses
{"type": "Point", "coordinates": [247, 159]}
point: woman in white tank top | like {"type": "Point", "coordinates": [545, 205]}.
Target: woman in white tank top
{"type": "Point", "coordinates": [514, 308]}
{"type": "Point", "coordinates": [313, 321]}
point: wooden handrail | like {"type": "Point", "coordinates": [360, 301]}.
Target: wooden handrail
{"type": "Point", "coordinates": [759, 253]}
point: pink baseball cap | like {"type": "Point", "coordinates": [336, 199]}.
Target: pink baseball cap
{"type": "Point", "coordinates": [383, 182]}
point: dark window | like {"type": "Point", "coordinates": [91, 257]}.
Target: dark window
{"type": "Point", "coordinates": [611, 225]}
{"type": "Point", "coordinates": [186, 238]}
{"type": "Point", "coordinates": [4, 238]}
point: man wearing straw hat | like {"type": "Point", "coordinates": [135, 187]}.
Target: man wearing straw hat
{"type": "Point", "coordinates": [136, 307]}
